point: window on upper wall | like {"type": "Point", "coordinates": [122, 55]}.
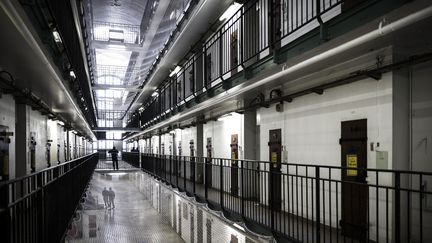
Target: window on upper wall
{"type": "Point", "coordinates": [109, 144]}
{"type": "Point", "coordinates": [113, 135]}
{"type": "Point", "coordinates": [101, 144]}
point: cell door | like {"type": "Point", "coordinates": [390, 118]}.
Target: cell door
{"type": "Point", "coordinates": [192, 160]}
{"type": "Point", "coordinates": [208, 164]}
{"type": "Point", "coordinates": [65, 147]}
{"type": "Point", "coordinates": [234, 165]}
{"type": "Point", "coordinates": [234, 60]}
{"type": "Point", "coordinates": [234, 239]}
{"type": "Point", "coordinates": [355, 196]}
{"type": "Point", "coordinates": [48, 152]}
{"type": "Point", "coordinates": [32, 146]}
{"type": "Point", "coordinates": [4, 152]}
{"type": "Point", "coordinates": [58, 152]}
{"type": "Point", "coordinates": [275, 149]}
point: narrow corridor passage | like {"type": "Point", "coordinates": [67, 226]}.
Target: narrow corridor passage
{"type": "Point", "coordinates": [132, 220]}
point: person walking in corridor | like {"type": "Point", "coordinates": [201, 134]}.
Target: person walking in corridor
{"type": "Point", "coordinates": [111, 196]}
{"type": "Point", "coordinates": [105, 197]}
{"type": "Point", "coordinates": [114, 153]}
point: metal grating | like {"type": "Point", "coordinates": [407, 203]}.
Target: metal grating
{"type": "Point", "coordinates": [199, 225]}
{"type": "Point", "coordinates": [118, 75]}
{"type": "Point", "coordinates": [165, 205]}
{"type": "Point", "coordinates": [116, 32]}
{"type": "Point", "coordinates": [179, 218]}
{"type": "Point", "coordinates": [209, 230]}
{"type": "Point", "coordinates": [192, 224]}
{"type": "Point", "coordinates": [174, 212]}
{"type": "Point", "coordinates": [185, 211]}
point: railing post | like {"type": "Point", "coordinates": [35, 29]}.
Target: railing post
{"type": "Point", "coordinates": [241, 22]}
{"type": "Point", "coordinates": [156, 169]}
{"type": "Point", "coordinates": [221, 184]}
{"type": "Point", "coordinates": [397, 207]}
{"type": "Point", "coordinates": [184, 172]}
{"type": "Point", "coordinates": [193, 160]}
{"type": "Point", "coordinates": [164, 168]}
{"type": "Point", "coordinates": [5, 215]}
{"type": "Point", "coordinates": [270, 199]}
{"type": "Point", "coordinates": [205, 180]}
{"type": "Point", "coordinates": [205, 66]}
{"type": "Point", "coordinates": [177, 168]}
{"type": "Point", "coordinates": [242, 187]}
{"type": "Point", "coordinates": [317, 204]}
{"type": "Point", "coordinates": [220, 54]}
{"type": "Point", "coordinates": [170, 168]}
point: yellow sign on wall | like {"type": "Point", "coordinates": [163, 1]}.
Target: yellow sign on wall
{"type": "Point", "coordinates": [351, 163]}
{"type": "Point", "coordinates": [274, 159]}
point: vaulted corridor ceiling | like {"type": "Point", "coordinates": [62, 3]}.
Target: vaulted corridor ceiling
{"type": "Point", "coordinates": [126, 38]}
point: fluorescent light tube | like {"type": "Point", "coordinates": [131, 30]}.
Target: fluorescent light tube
{"type": "Point", "coordinates": [56, 36]}
{"type": "Point", "coordinates": [231, 10]}
{"type": "Point", "coordinates": [72, 74]}
{"type": "Point", "coordinates": [175, 71]}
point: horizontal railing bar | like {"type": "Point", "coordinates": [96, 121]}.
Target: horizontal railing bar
{"type": "Point", "coordinates": [44, 184]}
{"type": "Point", "coordinates": [44, 170]}
{"type": "Point", "coordinates": [309, 165]}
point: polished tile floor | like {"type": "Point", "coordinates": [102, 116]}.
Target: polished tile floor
{"type": "Point", "coordinates": [107, 165]}
{"type": "Point", "coordinates": [132, 220]}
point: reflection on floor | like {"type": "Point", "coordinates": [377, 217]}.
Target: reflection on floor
{"type": "Point", "coordinates": [132, 220]}
{"type": "Point", "coordinates": [107, 165]}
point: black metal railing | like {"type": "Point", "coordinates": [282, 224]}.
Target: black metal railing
{"type": "Point", "coordinates": [38, 207]}
{"type": "Point", "coordinates": [254, 33]}
{"type": "Point", "coordinates": [306, 202]}
{"type": "Point", "coordinates": [131, 158]}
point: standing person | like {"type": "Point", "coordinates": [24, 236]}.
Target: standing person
{"type": "Point", "coordinates": [111, 196]}
{"type": "Point", "coordinates": [105, 197]}
{"type": "Point", "coordinates": [114, 153]}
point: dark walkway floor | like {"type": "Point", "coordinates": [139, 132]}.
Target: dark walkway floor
{"type": "Point", "coordinates": [132, 220]}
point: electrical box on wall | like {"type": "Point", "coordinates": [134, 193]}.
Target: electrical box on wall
{"type": "Point", "coordinates": [279, 107]}
{"type": "Point", "coordinates": [382, 159]}
{"type": "Point", "coordinates": [285, 154]}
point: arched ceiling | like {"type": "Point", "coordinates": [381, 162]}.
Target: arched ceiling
{"type": "Point", "coordinates": [126, 37]}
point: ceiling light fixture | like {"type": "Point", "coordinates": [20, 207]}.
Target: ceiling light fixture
{"type": "Point", "coordinates": [72, 74]}
{"type": "Point", "coordinates": [224, 117]}
{"type": "Point", "coordinates": [231, 10]}
{"type": "Point", "coordinates": [56, 36]}
{"type": "Point", "coordinates": [155, 94]}
{"type": "Point", "coordinates": [117, 47]}
{"type": "Point", "coordinates": [172, 15]}
{"type": "Point", "coordinates": [116, 35]}
{"type": "Point", "coordinates": [239, 227]}
{"type": "Point", "coordinates": [175, 71]}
